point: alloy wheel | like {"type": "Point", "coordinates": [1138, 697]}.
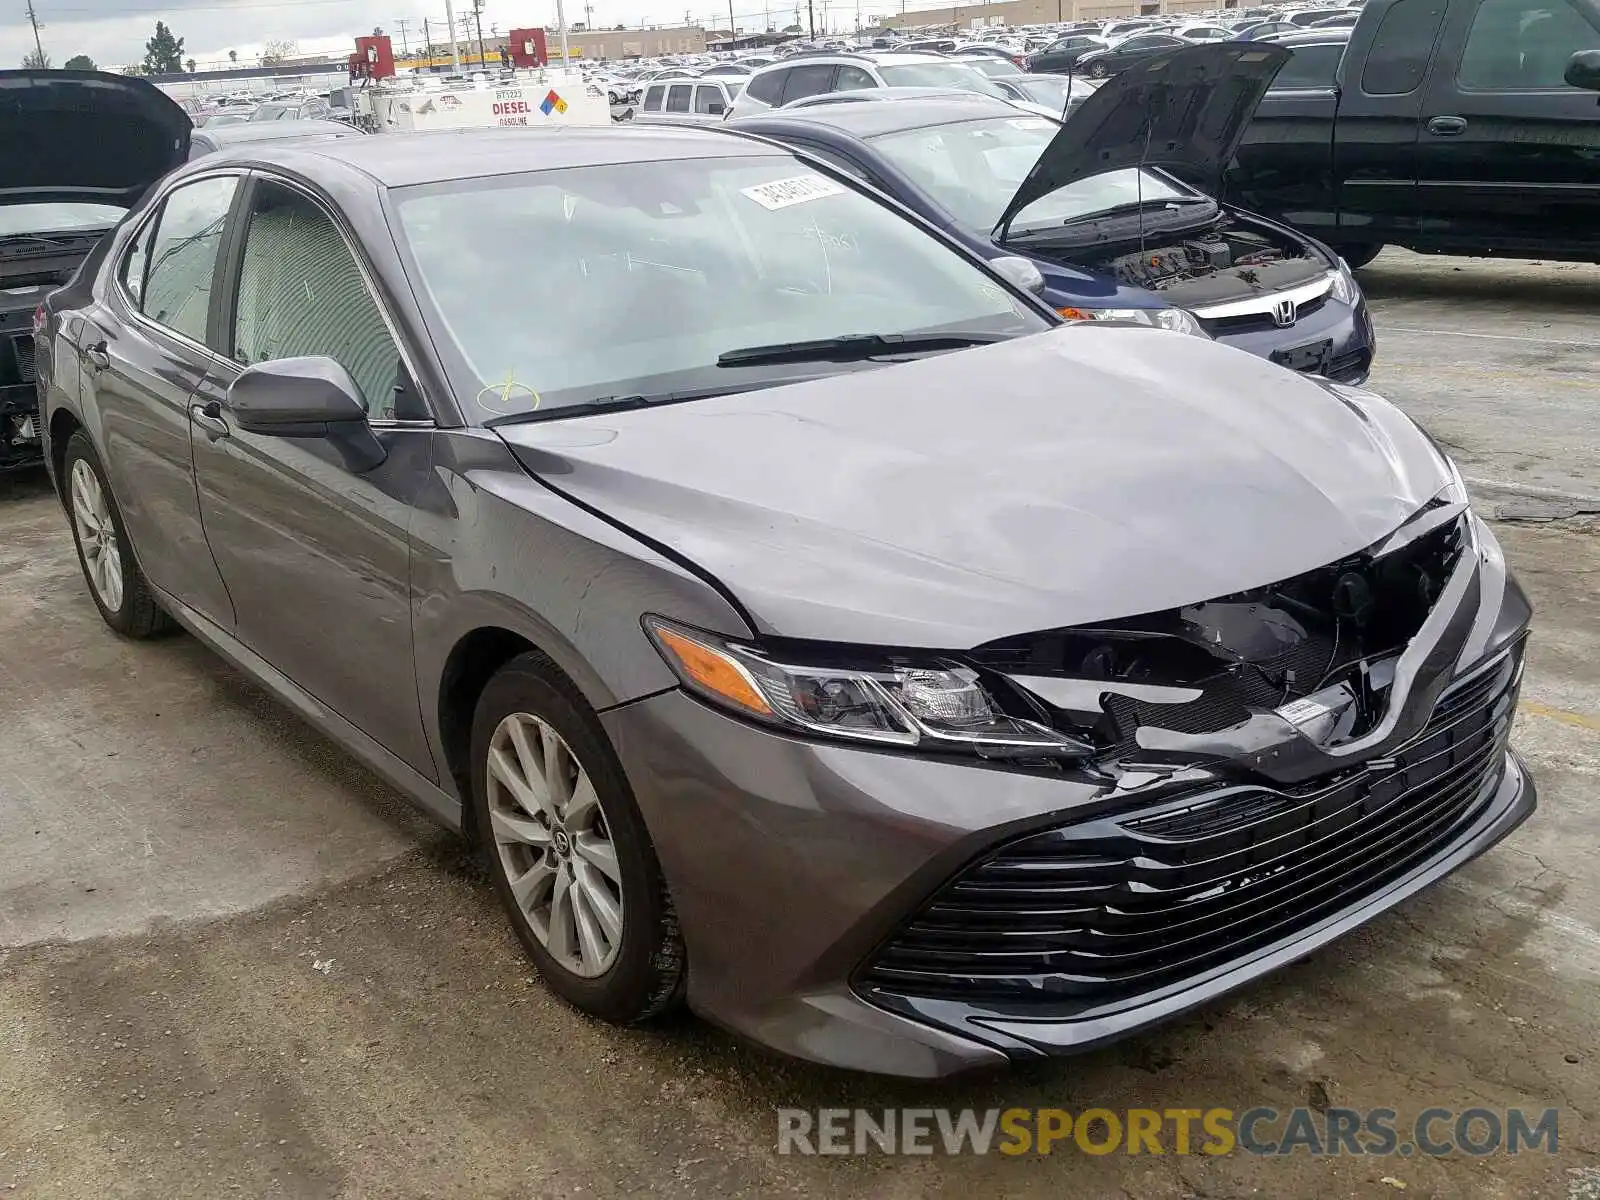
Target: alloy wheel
{"type": "Point", "coordinates": [97, 535]}
{"type": "Point", "coordinates": [553, 842]}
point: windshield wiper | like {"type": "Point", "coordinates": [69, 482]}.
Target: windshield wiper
{"type": "Point", "coordinates": [855, 346]}
{"type": "Point", "coordinates": [621, 403]}
{"type": "Point", "coordinates": [1116, 210]}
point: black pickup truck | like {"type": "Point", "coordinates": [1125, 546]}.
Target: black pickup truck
{"type": "Point", "coordinates": [1450, 127]}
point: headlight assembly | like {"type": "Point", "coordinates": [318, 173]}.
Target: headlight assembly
{"type": "Point", "coordinates": [1179, 320]}
{"type": "Point", "coordinates": [933, 704]}
{"type": "Point", "coordinates": [1345, 288]}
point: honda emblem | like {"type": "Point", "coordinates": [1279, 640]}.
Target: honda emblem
{"type": "Point", "coordinates": [1284, 312]}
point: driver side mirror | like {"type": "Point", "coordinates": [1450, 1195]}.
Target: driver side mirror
{"type": "Point", "coordinates": [1583, 70]}
{"type": "Point", "coordinates": [1018, 271]}
{"type": "Point", "coordinates": [307, 398]}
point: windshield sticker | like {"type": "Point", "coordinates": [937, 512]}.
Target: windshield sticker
{"type": "Point", "coordinates": [781, 193]}
{"type": "Point", "coordinates": [1029, 123]}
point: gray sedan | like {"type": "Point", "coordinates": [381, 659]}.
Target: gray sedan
{"type": "Point", "coordinates": [803, 623]}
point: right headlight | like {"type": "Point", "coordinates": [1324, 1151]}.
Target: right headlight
{"type": "Point", "coordinates": [932, 704]}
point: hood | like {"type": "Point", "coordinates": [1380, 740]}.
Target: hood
{"type": "Point", "coordinates": [1184, 110]}
{"type": "Point", "coordinates": [1085, 473]}
{"type": "Point", "coordinates": [84, 136]}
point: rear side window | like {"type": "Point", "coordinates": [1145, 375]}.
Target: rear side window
{"type": "Point", "coordinates": [708, 99]}
{"type": "Point", "coordinates": [1400, 51]}
{"type": "Point", "coordinates": [1518, 45]}
{"type": "Point", "coordinates": [1311, 67]}
{"type": "Point", "coordinates": [678, 98]}
{"type": "Point", "coordinates": [767, 87]}
{"type": "Point", "coordinates": [653, 98]}
{"type": "Point", "coordinates": [810, 80]}
{"type": "Point", "coordinates": [853, 79]}
{"type": "Point", "coordinates": [183, 256]}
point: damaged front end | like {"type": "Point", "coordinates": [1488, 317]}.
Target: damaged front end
{"type": "Point", "coordinates": [1277, 766]}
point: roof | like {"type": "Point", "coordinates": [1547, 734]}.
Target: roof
{"type": "Point", "coordinates": [404, 159]}
{"type": "Point", "coordinates": [867, 120]}
{"type": "Point", "coordinates": [240, 133]}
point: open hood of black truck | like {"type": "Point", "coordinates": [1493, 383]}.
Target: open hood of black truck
{"type": "Point", "coordinates": [85, 137]}
{"type": "Point", "coordinates": [1184, 110]}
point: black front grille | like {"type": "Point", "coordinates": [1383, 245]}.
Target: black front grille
{"type": "Point", "coordinates": [1122, 905]}
{"type": "Point", "coordinates": [22, 351]}
{"type": "Point", "coordinates": [1351, 367]}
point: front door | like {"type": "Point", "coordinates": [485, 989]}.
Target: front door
{"type": "Point", "coordinates": [316, 555]}
{"type": "Point", "coordinates": [1510, 153]}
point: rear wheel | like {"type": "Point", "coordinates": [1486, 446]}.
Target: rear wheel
{"type": "Point", "coordinates": [1097, 70]}
{"type": "Point", "coordinates": [1359, 256]}
{"type": "Point", "coordinates": [116, 584]}
{"type": "Point", "coordinates": [568, 851]}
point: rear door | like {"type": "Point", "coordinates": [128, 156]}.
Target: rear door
{"type": "Point", "coordinates": [146, 348]}
{"type": "Point", "coordinates": [1509, 155]}
{"type": "Point", "coordinates": [1380, 107]}
{"type": "Point", "coordinates": [1284, 166]}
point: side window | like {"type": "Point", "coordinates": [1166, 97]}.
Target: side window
{"type": "Point", "coordinates": [1523, 44]}
{"type": "Point", "coordinates": [135, 262]}
{"type": "Point", "coordinates": [1401, 48]}
{"type": "Point", "coordinates": [810, 80]}
{"type": "Point", "coordinates": [654, 95]}
{"type": "Point", "coordinates": [767, 87]}
{"type": "Point", "coordinates": [183, 255]}
{"type": "Point", "coordinates": [1311, 67]}
{"type": "Point", "coordinates": [708, 99]}
{"type": "Point", "coordinates": [678, 98]}
{"type": "Point", "coordinates": [301, 293]}
{"type": "Point", "coordinates": [853, 79]}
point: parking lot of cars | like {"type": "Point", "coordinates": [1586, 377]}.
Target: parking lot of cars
{"type": "Point", "coordinates": [1125, 710]}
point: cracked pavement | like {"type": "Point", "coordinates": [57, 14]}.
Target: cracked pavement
{"type": "Point", "coordinates": [234, 963]}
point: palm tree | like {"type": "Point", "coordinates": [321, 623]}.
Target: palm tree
{"type": "Point", "coordinates": [233, 56]}
{"type": "Point", "coordinates": [190, 65]}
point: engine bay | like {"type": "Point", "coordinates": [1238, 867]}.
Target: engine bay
{"type": "Point", "coordinates": [1222, 261]}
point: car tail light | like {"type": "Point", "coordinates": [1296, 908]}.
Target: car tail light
{"type": "Point", "coordinates": [40, 316]}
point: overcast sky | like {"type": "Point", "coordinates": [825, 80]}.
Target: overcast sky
{"type": "Point", "coordinates": [113, 32]}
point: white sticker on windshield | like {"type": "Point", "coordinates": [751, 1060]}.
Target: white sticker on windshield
{"type": "Point", "coordinates": [781, 193]}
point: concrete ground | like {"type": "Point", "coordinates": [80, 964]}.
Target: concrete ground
{"type": "Point", "coordinates": [233, 963]}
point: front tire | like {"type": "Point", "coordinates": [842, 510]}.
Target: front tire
{"type": "Point", "coordinates": [569, 853]}
{"type": "Point", "coordinates": [1098, 70]}
{"type": "Point", "coordinates": [1359, 256]}
{"type": "Point", "coordinates": [116, 584]}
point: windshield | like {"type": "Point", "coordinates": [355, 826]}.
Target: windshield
{"type": "Point", "coordinates": [937, 74]}
{"type": "Point", "coordinates": [973, 168]}
{"type": "Point", "coordinates": [56, 218]}
{"type": "Point", "coordinates": [561, 287]}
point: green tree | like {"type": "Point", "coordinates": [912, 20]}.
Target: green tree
{"type": "Point", "coordinates": [188, 65]}
{"type": "Point", "coordinates": [80, 62]}
{"type": "Point", "coordinates": [35, 60]}
{"type": "Point", "coordinates": [233, 56]}
{"type": "Point", "coordinates": [277, 50]}
{"type": "Point", "coordinates": [163, 53]}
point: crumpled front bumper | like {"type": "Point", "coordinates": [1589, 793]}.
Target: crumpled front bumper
{"type": "Point", "coordinates": [793, 863]}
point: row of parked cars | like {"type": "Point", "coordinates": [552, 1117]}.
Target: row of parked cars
{"type": "Point", "coordinates": [728, 529]}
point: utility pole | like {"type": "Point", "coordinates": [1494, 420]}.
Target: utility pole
{"type": "Point", "coordinates": [733, 30]}
{"type": "Point", "coordinates": [561, 23]}
{"type": "Point", "coordinates": [38, 46]}
{"type": "Point", "coordinates": [811, 18]}
{"type": "Point", "coordinates": [450, 24]}
{"type": "Point", "coordinates": [427, 39]}
{"type": "Point", "coordinates": [402, 22]}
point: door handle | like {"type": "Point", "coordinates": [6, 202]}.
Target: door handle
{"type": "Point", "coordinates": [209, 417]}
{"type": "Point", "coordinates": [1447, 126]}
{"type": "Point", "coordinates": [97, 356]}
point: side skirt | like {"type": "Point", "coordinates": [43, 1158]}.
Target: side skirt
{"type": "Point", "coordinates": [436, 803]}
